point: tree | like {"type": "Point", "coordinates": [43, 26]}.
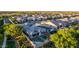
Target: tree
{"type": "Point", "coordinates": [65, 38]}
{"type": "Point", "coordinates": [15, 32]}
{"type": "Point", "coordinates": [12, 29]}
{"type": "Point", "coordinates": [1, 21]}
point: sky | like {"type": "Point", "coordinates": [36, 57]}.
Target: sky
{"type": "Point", "coordinates": [39, 5]}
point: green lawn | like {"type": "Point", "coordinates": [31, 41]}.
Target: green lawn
{"type": "Point", "coordinates": [1, 40]}
{"type": "Point", "coordinates": [10, 44]}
